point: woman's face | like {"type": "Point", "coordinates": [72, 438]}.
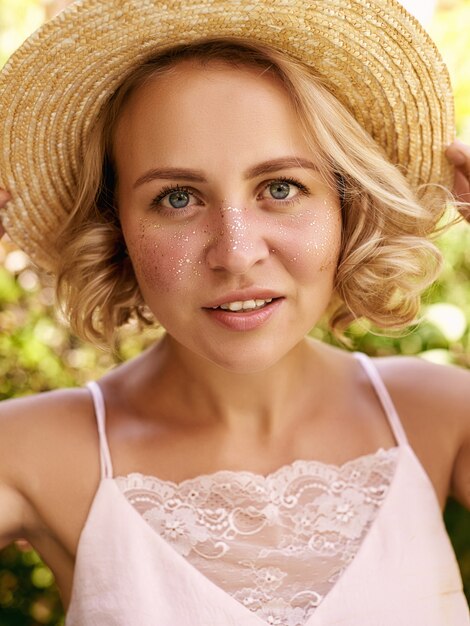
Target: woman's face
{"type": "Point", "coordinates": [219, 206]}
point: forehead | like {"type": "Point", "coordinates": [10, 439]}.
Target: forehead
{"type": "Point", "coordinates": [192, 74]}
{"type": "Point", "coordinates": [192, 95]}
{"type": "Point", "coordinates": [208, 116]}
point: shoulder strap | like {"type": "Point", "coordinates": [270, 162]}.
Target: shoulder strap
{"type": "Point", "coordinates": [384, 397]}
{"type": "Point", "coordinates": [100, 414]}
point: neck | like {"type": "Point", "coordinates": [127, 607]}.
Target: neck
{"type": "Point", "coordinates": [259, 405]}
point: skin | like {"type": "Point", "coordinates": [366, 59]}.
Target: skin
{"type": "Point", "coordinates": [232, 234]}
{"type": "Point", "coordinates": [458, 153]}
{"type": "Point", "coordinates": [207, 398]}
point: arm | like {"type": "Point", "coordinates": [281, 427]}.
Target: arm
{"type": "Point", "coordinates": [16, 513]}
{"type": "Point", "coordinates": [14, 508]}
{"type": "Point", "coordinates": [461, 475]}
{"type": "Point", "coordinates": [459, 154]}
{"type": "Point", "coordinates": [444, 393]}
{"type": "Point", "coordinates": [447, 393]}
{"type": "Point", "coordinates": [46, 441]}
{"type": "Point", "coordinates": [433, 402]}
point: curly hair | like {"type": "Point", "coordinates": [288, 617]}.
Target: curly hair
{"type": "Point", "coordinates": [386, 258]}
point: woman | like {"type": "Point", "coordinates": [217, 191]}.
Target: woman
{"type": "Point", "coordinates": [242, 473]}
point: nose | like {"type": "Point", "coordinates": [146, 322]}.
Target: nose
{"type": "Point", "coordinates": [237, 241]}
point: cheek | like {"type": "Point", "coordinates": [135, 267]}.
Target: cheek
{"type": "Point", "coordinates": [163, 261]}
{"type": "Point", "coordinates": [311, 243]}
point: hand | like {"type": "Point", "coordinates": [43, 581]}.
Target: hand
{"type": "Point", "coordinates": [4, 197]}
{"type": "Point", "coordinates": [458, 153]}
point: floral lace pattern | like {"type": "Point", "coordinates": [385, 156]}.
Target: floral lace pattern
{"type": "Point", "coordinates": [276, 543]}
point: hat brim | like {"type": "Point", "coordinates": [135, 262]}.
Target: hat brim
{"type": "Point", "coordinates": [376, 58]}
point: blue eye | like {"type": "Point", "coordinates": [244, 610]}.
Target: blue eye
{"type": "Point", "coordinates": [282, 187]}
{"type": "Point", "coordinates": [178, 198]}
{"type": "Point", "coordinates": [279, 187]}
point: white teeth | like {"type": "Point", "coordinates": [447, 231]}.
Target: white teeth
{"type": "Point", "coordinates": [246, 305]}
{"type": "Point", "coordinates": [249, 304]}
{"type": "Point", "coordinates": [235, 306]}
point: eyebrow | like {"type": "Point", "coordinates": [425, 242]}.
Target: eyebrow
{"type": "Point", "coordinates": [197, 176]}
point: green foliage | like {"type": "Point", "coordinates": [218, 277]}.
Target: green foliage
{"type": "Point", "coordinates": [28, 596]}
{"type": "Point", "coordinates": [450, 31]}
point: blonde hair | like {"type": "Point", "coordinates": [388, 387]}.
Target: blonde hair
{"type": "Point", "coordinates": [386, 259]}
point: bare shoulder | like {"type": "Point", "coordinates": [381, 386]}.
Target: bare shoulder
{"type": "Point", "coordinates": [433, 402]}
{"type": "Point", "coordinates": [435, 393]}
{"type": "Point", "coordinates": [40, 423]}
{"type": "Point", "coordinates": [44, 438]}
{"type": "Point", "coordinates": [421, 378]}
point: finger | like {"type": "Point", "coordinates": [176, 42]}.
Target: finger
{"type": "Point", "coordinates": [4, 197]}
{"type": "Point", "coordinates": [461, 186]}
{"type": "Point", "coordinates": [461, 192]}
{"type": "Point", "coordinates": [458, 153]}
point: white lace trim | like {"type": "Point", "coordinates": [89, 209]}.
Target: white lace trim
{"type": "Point", "coordinates": [276, 543]}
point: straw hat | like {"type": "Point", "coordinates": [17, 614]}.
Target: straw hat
{"type": "Point", "coordinates": [376, 57]}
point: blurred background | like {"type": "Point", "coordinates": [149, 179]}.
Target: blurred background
{"type": "Point", "coordinates": [37, 353]}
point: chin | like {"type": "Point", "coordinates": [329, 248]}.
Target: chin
{"type": "Point", "coordinates": [252, 361]}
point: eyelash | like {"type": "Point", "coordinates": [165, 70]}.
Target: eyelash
{"type": "Point", "coordinates": [155, 204]}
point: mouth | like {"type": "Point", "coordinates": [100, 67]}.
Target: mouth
{"type": "Point", "coordinates": [244, 315]}
{"type": "Point", "coordinates": [244, 306]}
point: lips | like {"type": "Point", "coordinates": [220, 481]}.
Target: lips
{"type": "Point", "coordinates": [245, 320]}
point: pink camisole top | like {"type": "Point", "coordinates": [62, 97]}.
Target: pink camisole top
{"type": "Point", "coordinates": [311, 544]}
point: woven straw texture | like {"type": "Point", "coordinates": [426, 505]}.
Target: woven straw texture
{"type": "Point", "coordinates": [377, 59]}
